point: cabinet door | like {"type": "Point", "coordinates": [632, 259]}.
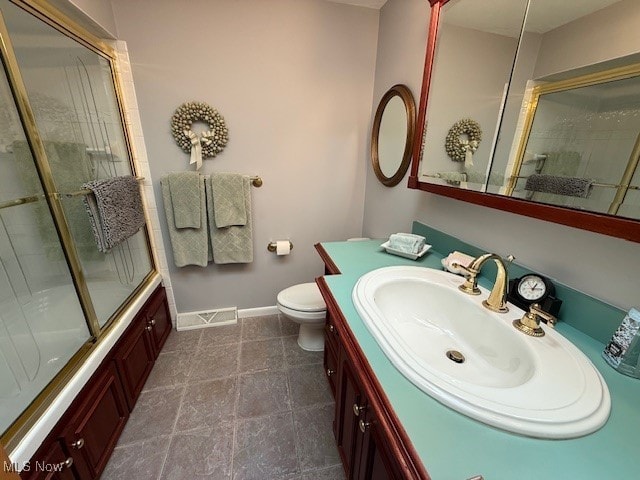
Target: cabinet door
{"type": "Point", "coordinates": [158, 319]}
{"type": "Point", "coordinates": [374, 462]}
{"type": "Point", "coordinates": [350, 406]}
{"type": "Point", "coordinates": [98, 420]}
{"type": "Point", "coordinates": [134, 358]}
{"type": "Point", "coordinates": [331, 367]}
{"type": "Point", "coordinates": [52, 463]}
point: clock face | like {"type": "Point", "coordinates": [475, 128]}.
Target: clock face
{"type": "Point", "coordinates": [532, 288]}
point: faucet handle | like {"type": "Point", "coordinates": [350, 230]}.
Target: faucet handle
{"type": "Point", "coordinates": [546, 316]}
{"type": "Point", "coordinates": [530, 322]}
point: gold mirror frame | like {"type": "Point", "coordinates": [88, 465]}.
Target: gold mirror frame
{"type": "Point", "coordinates": [405, 95]}
{"type": "Point", "coordinates": [620, 227]}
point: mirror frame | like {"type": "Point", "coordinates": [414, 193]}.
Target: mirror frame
{"type": "Point", "coordinates": [620, 227]}
{"type": "Point", "coordinates": [406, 96]}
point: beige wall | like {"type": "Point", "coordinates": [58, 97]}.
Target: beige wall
{"type": "Point", "coordinates": [471, 88]}
{"type": "Point", "coordinates": [601, 266]}
{"type": "Point", "coordinates": [294, 81]}
{"type": "Point", "coordinates": [591, 39]}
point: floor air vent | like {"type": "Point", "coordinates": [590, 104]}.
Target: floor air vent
{"type": "Point", "coordinates": [207, 318]}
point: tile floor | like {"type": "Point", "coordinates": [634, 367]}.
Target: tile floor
{"type": "Point", "coordinates": [239, 402]}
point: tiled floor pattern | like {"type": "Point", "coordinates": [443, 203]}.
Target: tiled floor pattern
{"type": "Point", "coordinates": [239, 402]}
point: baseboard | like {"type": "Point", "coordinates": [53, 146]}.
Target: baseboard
{"type": "Point", "coordinates": [206, 318]}
{"type": "Point", "coordinates": [258, 312]}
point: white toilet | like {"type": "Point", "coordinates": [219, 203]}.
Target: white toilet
{"type": "Point", "coordinates": [303, 304]}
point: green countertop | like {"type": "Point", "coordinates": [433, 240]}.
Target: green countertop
{"type": "Point", "coordinates": [453, 446]}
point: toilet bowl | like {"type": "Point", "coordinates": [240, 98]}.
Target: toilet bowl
{"type": "Point", "coordinates": [303, 304]}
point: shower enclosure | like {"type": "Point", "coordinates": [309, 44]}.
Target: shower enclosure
{"type": "Point", "coordinates": [61, 125]}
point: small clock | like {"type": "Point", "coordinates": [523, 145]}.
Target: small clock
{"type": "Point", "coordinates": [534, 288]}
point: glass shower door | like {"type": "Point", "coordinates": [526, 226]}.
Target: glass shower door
{"type": "Point", "coordinates": [42, 325]}
{"type": "Point", "coordinates": [72, 95]}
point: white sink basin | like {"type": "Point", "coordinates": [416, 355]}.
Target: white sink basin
{"type": "Point", "coordinates": [542, 387]}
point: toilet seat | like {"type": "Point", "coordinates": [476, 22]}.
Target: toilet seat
{"type": "Point", "coordinates": [305, 297]}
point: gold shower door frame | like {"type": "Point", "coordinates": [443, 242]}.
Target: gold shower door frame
{"type": "Point", "coordinates": [613, 74]}
{"type": "Point", "coordinates": [48, 14]}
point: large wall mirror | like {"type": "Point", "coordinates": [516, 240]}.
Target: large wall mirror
{"type": "Point", "coordinates": [533, 106]}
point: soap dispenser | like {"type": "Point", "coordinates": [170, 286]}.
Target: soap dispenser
{"type": "Point", "coordinates": [623, 351]}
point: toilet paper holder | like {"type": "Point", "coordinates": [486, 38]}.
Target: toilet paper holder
{"type": "Point", "coordinates": [272, 246]}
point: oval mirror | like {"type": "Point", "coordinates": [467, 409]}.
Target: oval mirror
{"type": "Point", "coordinates": [392, 135]}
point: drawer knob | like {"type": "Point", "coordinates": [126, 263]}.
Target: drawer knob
{"type": "Point", "coordinates": [78, 444]}
{"type": "Point", "coordinates": [148, 328]}
{"type": "Point", "coordinates": [330, 372]}
{"type": "Point", "coordinates": [332, 329]}
{"type": "Point", "coordinates": [363, 425]}
{"type": "Point", "coordinates": [358, 409]}
{"type": "Point", "coordinates": [66, 464]}
{"type": "Point", "coordinates": [152, 322]}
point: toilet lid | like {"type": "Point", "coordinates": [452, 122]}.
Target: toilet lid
{"type": "Point", "coordinates": [305, 297]}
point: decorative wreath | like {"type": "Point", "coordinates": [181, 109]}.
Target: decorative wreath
{"type": "Point", "coordinates": [458, 148]}
{"type": "Point", "coordinates": [208, 143]}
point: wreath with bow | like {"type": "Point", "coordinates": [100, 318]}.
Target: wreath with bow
{"type": "Point", "coordinates": [206, 144]}
{"type": "Point", "coordinates": [459, 148]}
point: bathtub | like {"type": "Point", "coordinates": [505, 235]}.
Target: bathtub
{"type": "Point", "coordinates": [39, 335]}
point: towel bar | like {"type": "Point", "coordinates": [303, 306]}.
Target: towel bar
{"type": "Point", "coordinates": [85, 191]}
{"type": "Point", "coordinates": [21, 201]}
{"type": "Point", "coordinates": [595, 184]}
{"type": "Point", "coordinates": [256, 181]}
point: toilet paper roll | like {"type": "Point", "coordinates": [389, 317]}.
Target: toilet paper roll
{"type": "Point", "coordinates": [283, 247]}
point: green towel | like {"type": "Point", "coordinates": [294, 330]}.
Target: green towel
{"type": "Point", "coordinates": [190, 245]}
{"type": "Point", "coordinates": [232, 244]}
{"type": "Point", "coordinates": [185, 198]}
{"type": "Point", "coordinates": [228, 199]}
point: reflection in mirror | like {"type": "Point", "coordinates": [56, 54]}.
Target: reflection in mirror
{"type": "Point", "coordinates": [392, 135]}
{"type": "Point", "coordinates": [581, 144]}
{"type": "Point", "coordinates": [564, 143]}
{"type": "Point", "coordinates": [474, 55]}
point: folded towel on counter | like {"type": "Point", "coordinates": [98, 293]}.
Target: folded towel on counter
{"type": "Point", "coordinates": [406, 242]}
{"type": "Point", "coordinates": [185, 198]}
{"type": "Point", "coordinates": [453, 177]}
{"type": "Point", "coordinates": [569, 186]}
{"type": "Point", "coordinates": [233, 244]}
{"type": "Point", "coordinates": [228, 199]}
{"type": "Point", "coordinates": [190, 246]}
{"type": "Point", "coordinates": [453, 261]}
{"type": "Point", "coordinates": [115, 210]}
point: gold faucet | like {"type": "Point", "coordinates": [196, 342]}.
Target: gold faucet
{"type": "Point", "coordinates": [497, 300]}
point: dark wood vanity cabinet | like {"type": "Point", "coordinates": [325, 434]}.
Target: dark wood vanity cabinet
{"type": "Point", "coordinates": [371, 442]}
{"type": "Point", "coordinates": [158, 320]}
{"type": "Point", "coordinates": [96, 423]}
{"type": "Point", "coordinates": [84, 438]}
{"type": "Point", "coordinates": [61, 465]}
{"type": "Point", "coordinates": [141, 345]}
{"type": "Point", "coordinates": [81, 443]}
